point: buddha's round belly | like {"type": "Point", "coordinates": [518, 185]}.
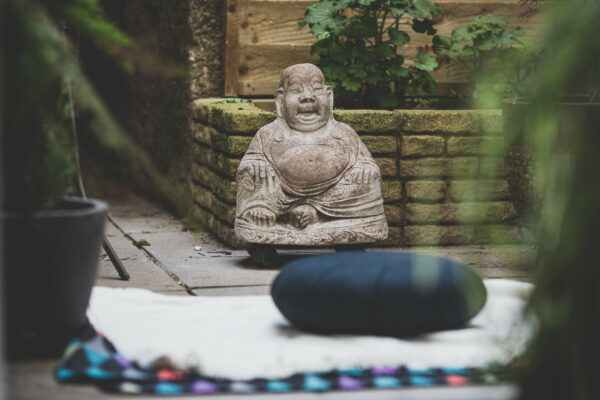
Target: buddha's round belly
{"type": "Point", "coordinates": [311, 164]}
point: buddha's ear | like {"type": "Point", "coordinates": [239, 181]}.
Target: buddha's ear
{"type": "Point", "coordinates": [279, 102]}
{"type": "Point", "coordinates": [330, 97]}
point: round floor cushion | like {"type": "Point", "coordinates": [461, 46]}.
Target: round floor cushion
{"type": "Point", "coordinates": [378, 293]}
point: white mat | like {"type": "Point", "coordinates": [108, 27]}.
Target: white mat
{"type": "Point", "coordinates": [245, 337]}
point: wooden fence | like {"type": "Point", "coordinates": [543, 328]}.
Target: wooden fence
{"type": "Point", "coordinates": [263, 37]}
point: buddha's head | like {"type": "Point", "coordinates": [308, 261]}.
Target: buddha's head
{"type": "Point", "coordinates": [303, 99]}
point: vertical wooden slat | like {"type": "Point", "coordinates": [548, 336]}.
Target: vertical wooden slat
{"type": "Point", "coordinates": [232, 47]}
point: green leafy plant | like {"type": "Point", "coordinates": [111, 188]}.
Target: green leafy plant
{"type": "Point", "coordinates": [566, 302]}
{"type": "Point", "coordinates": [358, 43]}
{"type": "Point", "coordinates": [498, 60]}
{"type": "Point", "coordinates": [41, 78]}
{"type": "Point", "coordinates": [48, 99]}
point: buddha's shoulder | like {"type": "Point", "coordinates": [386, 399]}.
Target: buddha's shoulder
{"type": "Point", "coordinates": [343, 128]}
{"type": "Point", "coordinates": [267, 131]}
{"type": "Point", "coordinates": [343, 131]}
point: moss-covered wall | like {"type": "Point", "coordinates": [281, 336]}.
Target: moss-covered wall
{"type": "Point", "coordinates": [152, 100]}
{"type": "Point", "coordinates": [443, 179]}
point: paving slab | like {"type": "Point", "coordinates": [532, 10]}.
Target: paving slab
{"type": "Point", "coordinates": [138, 215]}
{"type": "Point", "coordinates": [219, 272]}
{"type": "Point", "coordinates": [259, 290]}
{"type": "Point", "coordinates": [180, 250]}
{"type": "Point", "coordinates": [143, 271]}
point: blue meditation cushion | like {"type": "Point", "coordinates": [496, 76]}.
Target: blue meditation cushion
{"type": "Point", "coordinates": [377, 293]}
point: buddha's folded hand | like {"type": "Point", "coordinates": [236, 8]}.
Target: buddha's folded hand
{"type": "Point", "coordinates": [363, 174]}
{"type": "Point", "coordinates": [261, 173]}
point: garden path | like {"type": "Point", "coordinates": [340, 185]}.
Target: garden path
{"type": "Point", "coordinates": [162, 255]}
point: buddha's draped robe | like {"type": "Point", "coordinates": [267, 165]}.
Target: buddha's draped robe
{"type": "Point", "coordinates": [312, 169]}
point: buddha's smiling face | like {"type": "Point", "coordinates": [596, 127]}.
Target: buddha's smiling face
{"type": "Point", "coordinates": [305, 100]}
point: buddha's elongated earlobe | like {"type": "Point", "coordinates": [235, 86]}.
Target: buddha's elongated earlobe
{"type": "Point", "coordinates": [279, 102]}
{"type": "Point", "coordinates": [330, 97]}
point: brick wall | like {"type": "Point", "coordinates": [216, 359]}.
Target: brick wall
{"type": "Point", "coordinates": [442, 171]}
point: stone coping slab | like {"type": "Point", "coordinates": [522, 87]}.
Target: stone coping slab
{"type": "Point", "coordinates": [246, 118]}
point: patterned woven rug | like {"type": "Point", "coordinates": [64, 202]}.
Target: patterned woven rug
{"type": "Point", "coordinates": [91, 358]}
{"type": "Point", "coordinates": [179, 345]}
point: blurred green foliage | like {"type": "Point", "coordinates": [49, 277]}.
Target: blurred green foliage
{"type": "Point", "coordinates": [357, 44]}
{"type": "Point", "coordinates": [563, 138]}
{"type": "Point", "coordinates": [498, 60]}
{"type": "Point", "coordinates": [39, 63]}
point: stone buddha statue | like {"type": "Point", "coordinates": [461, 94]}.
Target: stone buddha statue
{"type": "Point", "coordinates": [306, 178]}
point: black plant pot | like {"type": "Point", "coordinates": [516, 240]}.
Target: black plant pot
{"type": "Point", "coordinates": [50, 268]}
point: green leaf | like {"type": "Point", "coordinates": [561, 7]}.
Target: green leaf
{"type": "Point", "coordinates": [357, 70]}
{"type": "Point", "coordinates": [425, 62]}
{"type": "Point", "coordinates": [429, 84]}
{"type": "Point", "coordinates": [398, 38]}
{"type": "Point", "coordinates": [323, 35]}
{"type": "Point", "coordinates": [383, 52]}
{"type": "Point", "coordinates": [360, 28]}
{"type": "Point", "coordinates": [352, 85]}
{"type": "Point", "coordinates": [334, 72]}
{"type": "Point", "coordinates": [508, 37]}
{"type": "Point", "coordinates": [462, 34]}
{"type": "Point", "coordinates": [398, 72]}
{"type": "Point", "coordinates": [489, 20]}
{"type": "Point", "coordinates": [323, 16]}
{"type": "Point", "coordinates": [424, 8]}
{"type": "Point", "coordinates": [373, 79]}
{"type": "Point", "coordinates": [398, 10]}
{"type": "Point", "coordinates": [441, 43]}
{"type": "Point", "coordinates": [484, 43]}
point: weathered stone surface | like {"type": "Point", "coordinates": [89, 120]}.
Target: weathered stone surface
{"type": "Point", "coordinates": [231, 117]}
{"type": "Point", "coordinates": [439, 167]}
{"type": "Point", "coordinates": [460, 213]}
{"type": "Point", "coordinates": [393, 214]}
{"type": "Point", "coordinates": [307, 179]}
{"type": "Point", "coordinates": [144, 273]}
{"type": "Point", "coordinates": [438, 121]}
{"type": "Point", "coordinates": [387, 166]}
{"type": "Point", "coordinates": [380, 144]}
{"type": "Point", "coordinates": [480, 189]}
{"type": "Point", "coordinates": [484, 145]}
{"type": "Point", "coordinates": [432, 145]}
{"type": "Point", "coordinates": [392, 190]}
{"type": "Point", "coordinates": [216, 161]}
{"type": "Point", "coordinates": [232, 145]}
{"type": "Point", "coordinates": [492, 167]}
{"type": "Point", "coordinates": [395, 237]}
{"type": "Point", "coordinates": [224, 188]}
{"type": "Point", "coordinates": [432, 235]}
{"type": "Point", "coordinates": [422, 146]}
{"type": "Point", "coordinates": [205, 198]}
{"type": "Point", "coordinates": [497, 234]}
{"type": "Point", "coordinates": [372, 121]}
{"type": "Point", "coordinates": [223, 231]}
{"type": "Point", "coordinates": [206, 23]}
{"type": "Point", "coordinates": [426, 190]}
{"type": "Point", "coordinates": [491, 121]}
